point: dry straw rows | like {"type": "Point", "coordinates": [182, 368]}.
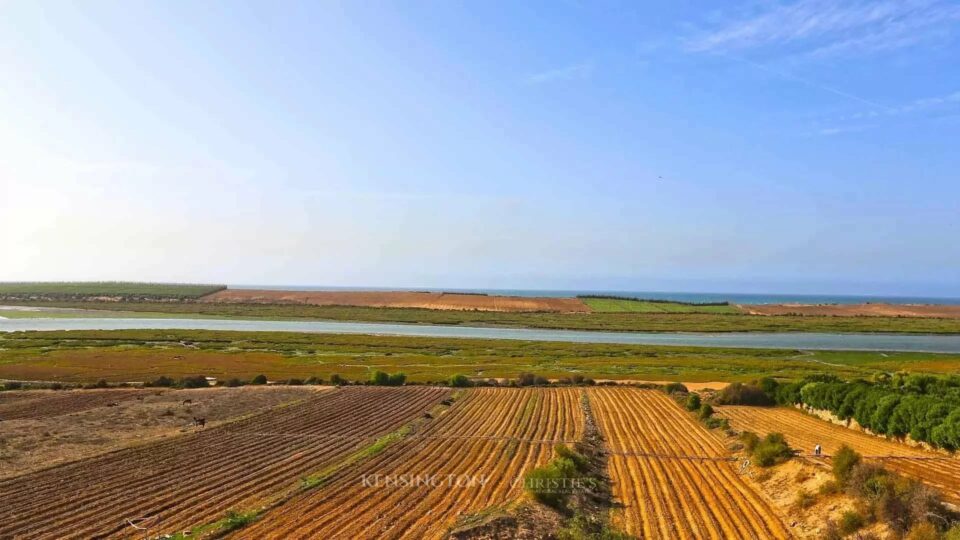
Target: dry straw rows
{"type": "Point", "coordinates": [491, 435]}
{"type": "Point", "coordinates": [804, 431]}
{"type": "Point", "coordinates": [672, 476]}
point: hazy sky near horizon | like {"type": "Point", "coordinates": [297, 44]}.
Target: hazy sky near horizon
{"type": "Point", "coordinates": [805, 146]}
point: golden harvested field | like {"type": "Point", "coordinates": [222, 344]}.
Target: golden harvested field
{"type": "Point", "coordinates": [64, 431]}
{"type": "Point", "coordinates": [471, 458]}
{"type": "Point", "coordinates": [195, 478]}
{"type": "Point", "coordinates": [856, 310]}
{"type": "Point", "coordinates": [672, 476]}
{"type": "Point", "coordinates": [401, 299]}
{"type": "Point", "coordinates": [804, 431]}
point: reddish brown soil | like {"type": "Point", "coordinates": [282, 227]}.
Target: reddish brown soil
{"type": "Point", "coordinates": [193, 479]}
{"type": "Point", "coordinates": [401, 299]}
{"type": "Point", "coordinates": [48, 403]}
{"type": "Point", "coordinates": [856, 310]}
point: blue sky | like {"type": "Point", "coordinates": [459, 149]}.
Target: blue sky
{"type": "Point", "coordinates": [798, 147]}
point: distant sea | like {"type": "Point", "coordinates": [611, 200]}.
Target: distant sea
{"type": "Point", "coordinates": [735, 298]}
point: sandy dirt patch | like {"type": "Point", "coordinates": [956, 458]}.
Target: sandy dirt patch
{"type": "Point", "coordinates": [856, 310]}
{"type": "Point", "coordinates": [28, 444]}
{"type": "Point", "coordinates": [401, 299]}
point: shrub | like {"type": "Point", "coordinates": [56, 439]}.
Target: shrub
{"type": "Point", "coordinates": [851, 522]}
{"type": "Point", "coordinates": [380, 378]}
{"type": "Point", "coordinates": [743, 394]}
{"type": "Point", "coordinates": [706, 411]}
{"type": "Point", "coordinates": [540, 381]}
{"type": "Point", "coordinates": [196, 381]}
{"type": "Point", "coordinates": [844, 461]}
{"type": "Point", "coordinates": [295, 382]}
{"type": "Point", "coordinates": [56, 386]}
{"type": "Point", "coordinates": [102, 383]}
{"type": "Point", "coordinates": [459, 381]}
{"type": "Point", "coordinates": [693, 402]}
{"type": "Point", "coordinates": [579, 460]}
{"type": "Point", "coordinates": [526, 379]}
{"type": "Point", "coordinates": [830, 488]}
{"type": "Point", "coordinates": [750, 440]}
{"type": "Point", "coordinates": [550, 484]}
{"type": "Point", "coordinates": [259, 379]}
{"type": "Point", "coordinates": [577, 379]}
{"type": "Point", "coordinates": [771, 450]}
{"type": "Point", "coordinates": [337, 380]}
{"type": "Point", "coordinates": [12, 385]}
{"type": "Point", "coordinates": [675, 388]}
{"type": "Point", "coordinates": [804, 500]}
{"type": "Point", "coordinates": [314, 380]}
{"type": "Point", "coordinates": [234, 383]}
{"type": "Point", "coordinates": [162, 382]}
{"type": "Point", "coordinates": [869, 481]}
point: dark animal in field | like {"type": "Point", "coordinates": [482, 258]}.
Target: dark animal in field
{"type": "Point", "coordinates": [187, 402]}
{"type": "Point", "coordinates": [199, 422]}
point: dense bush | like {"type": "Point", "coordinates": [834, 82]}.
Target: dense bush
{"type": "Point", "coordinates": [12, 385]}
{"type": "Point", "coordinates": [743, 394]}
{"type": "Point", "coordinates": [750, 441]}
{"type": "Point", "coordinates": [706, 411]}
{"type": "Point", "coordinates": [851, 522]}
{"type": "Point", "coordinates": [337, 380]}
{"type": "Point", "coordinates": [233, 383]}
{"type": "Point", "coordinates": [259, 379]}
{"type": "Point", "coordinates": [552, 483]}
{"type": "Point", "coordinates": [162, 382]}
{"type": "Point", "coordinates": [459, 381]}
{"type": "Point", "coordinates": [843, 463]}
{"type": "Point", "coordinates": [924, 407]}
{"type": "Point", "coordinates": [675, 388]}
{"type": "Point", "coordinates": [195, 381]}
{"type": "Point", "coordinates": [771, 450]}
{"type": "Point", "coordinates": [693, 402]}
{"type": "Point", "coordinates": [380, 378]}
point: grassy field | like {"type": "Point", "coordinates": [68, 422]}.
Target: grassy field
{"type": "Point", "coordinates": [607, 321]}
{"type": "Point", "coordinates": [107, 288]}
{"type": "Point", "coordinates": [620, 305]}
{"type": "Point", "coordinates": [138, 355]}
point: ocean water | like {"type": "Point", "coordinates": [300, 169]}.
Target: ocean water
{"type": "Point", "coordinates": [735, 298]}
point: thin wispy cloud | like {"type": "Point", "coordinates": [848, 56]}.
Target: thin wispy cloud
{"type": "Point", "coordinates": [571, 72]}
{"type": "Point", "coordinates": [820, 28]}
{"type": "Point", "coordinates": [939, 106]}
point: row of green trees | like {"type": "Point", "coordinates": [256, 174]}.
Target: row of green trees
{"type": "Point", "coordinates": [925, 407]}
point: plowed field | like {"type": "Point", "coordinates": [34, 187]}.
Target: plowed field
{"type": "Point", "coordinates": [469, 459]}
{"type": "Point", "coordinates": [46, 404]}
{"type": "Point", "coordinates": [400, 299]}
{"type": "Point", "coordinates": [672, 475]}
{"type": "Point", "coordinates": [196, 478]}
{"type": "Point", "coordinates": [803, 432]}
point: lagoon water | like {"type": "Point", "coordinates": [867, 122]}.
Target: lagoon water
{"type": "Point", "coordinates": [784, 340]}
